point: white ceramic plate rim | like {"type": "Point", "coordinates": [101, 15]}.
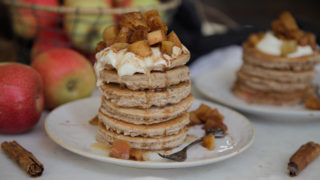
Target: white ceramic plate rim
{"type": "Point", "coordinates": [152, 164]}
{"type": "Point", "coordinates": [247, 108]}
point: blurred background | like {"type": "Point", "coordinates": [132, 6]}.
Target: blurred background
{"type": "Point", "coordinates": [29, 27]}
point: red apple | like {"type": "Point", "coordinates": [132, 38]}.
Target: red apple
{"type": "Point", "coordinates": [66, 74]}
{"type": "Point", "coordinates": [26, 22]}
{"type": "Point", "coordinates": [21, 98]}
{"type": "Point", "coordinates": [48, 40]}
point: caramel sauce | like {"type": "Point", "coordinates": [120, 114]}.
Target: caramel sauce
{"type": "Point", "coordinates": [94, 121]}
{"type": "Point", "coordinates": [101, 147]}
{"type": "Point", "coordinates": [190, 138]}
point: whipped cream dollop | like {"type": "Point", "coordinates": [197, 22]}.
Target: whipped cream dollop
{"type": "Point", "coordinates": [270, 44]}
{"type": "Point", "coordinates": [128, 63]}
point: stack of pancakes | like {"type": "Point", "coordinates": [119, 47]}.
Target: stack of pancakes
{"type": "Point", "coordinates": [276, 80]}
{"type": "Point", "coordinates": [147, 110]}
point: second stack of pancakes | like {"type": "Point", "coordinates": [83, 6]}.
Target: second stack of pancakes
{"type": "Point", "coordinates": [278, 79]}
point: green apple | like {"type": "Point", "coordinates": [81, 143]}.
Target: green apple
{"type": "Point", "coordinates": [85, 30]}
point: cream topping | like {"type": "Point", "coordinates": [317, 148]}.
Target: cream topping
{"type": "Point", "coordinates": [270, 44]}
{"type": "Point", "coordinates": [128, 63]}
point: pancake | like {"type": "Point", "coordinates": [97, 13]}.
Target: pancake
{"type": "Point", "coordinates": [146, 143]}
{"type": "Point", "coordinates": [255, 57]}
{"type": "Point", "coordinates": [143, 81]}
{"type": "Point", "coordinates": [278, 75]}
{"type": "Point", "coordinates": [269, 85]}
{"type": "Point", "coordinates": [146, 116]}
{"type": "Point", "coordinates": [271, 98]}
{"type": "Point", "coordinates": [145, 99]}
{"type": "Point", "coordinates": [167, 128]}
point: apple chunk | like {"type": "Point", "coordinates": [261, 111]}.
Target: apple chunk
{"type": "Point", "coordinates": [288, 46]}
{"type": "Point", "coordinates": [140, 48]}
{"type": "Point", "coordinates": [155, 37]}
{"type": "Point", "coordinates": [172, 36]}
{"type": "Point", "coordinates": [133, 20]}
{"type": "Point", "coordinates": [166, 47]}
{"type": "Point", "coordinates": [120, 149]}
{"type": "Point", "coordinates": [138, 35]}
{"type": "Point", "coordinates": [154, 21]}
{"type": "Point", "coordinates": [119, 46]}
{"type": "Point", "coordinates": [124, 34]}
{"type": "Point", "coordinates": [110, 32]}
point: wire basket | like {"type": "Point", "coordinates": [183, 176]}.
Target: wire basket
{"type": "Point", "coordinates": [40, 27]}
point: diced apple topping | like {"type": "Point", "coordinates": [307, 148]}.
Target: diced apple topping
{"type": "Point", "coordinates": [203, 112]}
{"type": "Point", "coordinates": [194, 120]}
{"type": "Point", "coordinates": [140, 48]}
{"type": "Point", "coordinates": [136, 154]}
{"type": "Point", "coordinates": [120, 149]}
{"type": "Point", "coordinates": [133, 20]}
{"type": "Point", "coordinates": [110, 42]}
{"type": "Point", "coordinates": [208, 142]}
{"type": "Point", "coordinates": [119, 46]}
{"type": "Point", "coordinates": [139, 34]}
{"type": "Point", "coordinates": [211, 118]}
{"type": "Point", "coordinates": [254, 39]}
{"type": "Point", "coordinates": [154, 21]}
{"type": "Point", "coordinates": [286, 28]}
{"type": "Point", "coordinates": [100, 46]}
{"type": "Point", "coordinates": [308, 39]}
{"type": "Point", "coordinates": [172, 36]}
{"type": "Point", "coordinates": [155, 37]}
{"type": "Point", "coordinates": [110, 32]}
{"type": "Point", "coordinates": [123, 35]}
{"type": "Point", "coordinates": [166, 47]}
{"type": "Point", "coordinates": [288, 46]}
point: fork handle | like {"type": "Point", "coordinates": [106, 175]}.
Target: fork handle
{"type": "Point", "coordinates": [193, 143]}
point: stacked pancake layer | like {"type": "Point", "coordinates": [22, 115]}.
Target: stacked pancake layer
{"type": "Point", "coordinates": [275, 80]}
{"type": "Point", "coordinates": [147, 110]}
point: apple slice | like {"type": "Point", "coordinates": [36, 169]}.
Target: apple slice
{"type": "Point", "coordinates": [154, 21]}
{"type": "Point", "coordinates": [123, 35]}
{"type": "Point", "coordinates": [166, 47]}
{"type": "Point", "coordinates": [172, 36]}
{"type": "Point", "coordinates": [110, 32]}
{"type": "Point", "coordinates": [155, 37]}
{"type": "Point", "coordinates": [140, 34]}
{"type": "Point", "coordinates": [140, 48]}
{"type": "Point", "coordinates": [118, 46]}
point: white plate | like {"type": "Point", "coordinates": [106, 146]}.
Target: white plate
{"type": "Point", "coordinates": [216, 85]}
{"type": "Point", "coordinates": [68, 126]}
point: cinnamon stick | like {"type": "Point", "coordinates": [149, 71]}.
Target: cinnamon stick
{"type": "Point", "coordinates": [26, 160]}
{"type": "Point", "coordinates": [303, 157]}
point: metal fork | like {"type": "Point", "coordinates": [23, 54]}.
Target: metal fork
{"type": "Point", "coordinates": [182, 154]}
